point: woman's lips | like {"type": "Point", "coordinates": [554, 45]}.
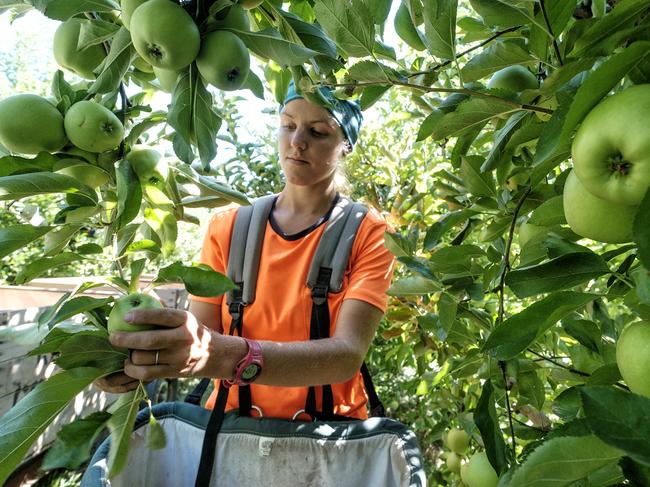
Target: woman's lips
{"type": "Point", "coordinates": [295, 160]}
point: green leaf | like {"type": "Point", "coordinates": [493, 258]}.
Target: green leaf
{"type": "Point", "coordinates": [440, 27]}
{"type": "Point", "coordinates": [628, 428]}
{"type": "Point", "coordinates": [501, 139]}
{"type": "Point", "coordinates": [116, 63]}
{"type": "Point", "coordinates": [198, 280]}
{"type": "Point", "coordinates": [414, 285]}
{"type": "Point", "coordinates": [129, 193]}
{"type": "Point", "coordinates": [372, 72]}
{"type": "Point", "coordinates": [586, 332]}
{"type": "Point", "coordinates": [447, 310]}
{"type": "Point", "coordinates": [641, 230]}
{"type": "Point", "coordinates": [562, 461]}
{"type": "Point", "coordinates": [93, 32]}
{"type": "Point", "coordinates": [641, 277]}
{"type": "Point", "coordinates": [627, 12]}
{"type": "Point", "coordinates": [121, 426]}
{"type": "Point", "coordinates": [268, 44]}
{"type": "Point", "coordinates": [156, 436]}
{"type": "Point", "coordinates": [40, 266]}
{"type": "Point", "coordinates": [23, 185]}
{"type": "Point", "coordinates": [311, 35]}
{"type": "Point", "coordinates": [478, 183]}
{"type": "Point", "coordinates": [90, 349]}
{"type": "Point", "coordinates": [15, 237]}
{"type": "Point", "coordinates": [64, 9]}
{"type": "Point", "coordinates": [486, 420]}
{"type": "Point", "coordinates": [165, 226]}
{"type": "Point", "coordinates": [455, 259]}
{"type": "Point", "coordinates": [472, 114]}
{"type": "Point", "coordinates": [549, 213]}
{"type": "Point", "coordinates": [192, 115]}
{"type": "Point", "coordinates": [254, 84]}
{"type": "Point", "coordinates": [429, 124]}
{"type": "Point", "coordinates": [497, 56]}
{"type": "Point", "coordinates": [349, 23]}
{"type": "Point", "coordinates": [21, 426]}
{"type": "Point", "coordinates": [563, 272]}
{"type": "Point", "coordinates": [518, 332]}
{"type": "Point", "coordinates": [75, 306]}
{"type": "Point", "coordinates": [498, 13]}
{"type": "Point", "coordinates": [75, 442]}
{"type": "Point", "coordinates": [443, 225]}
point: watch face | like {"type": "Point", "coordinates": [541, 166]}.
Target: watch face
{"type": "Point", "coordinates": [250, 372]}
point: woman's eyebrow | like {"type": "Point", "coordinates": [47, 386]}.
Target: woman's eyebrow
{"type": "Point", "coordinates": [327, 121]}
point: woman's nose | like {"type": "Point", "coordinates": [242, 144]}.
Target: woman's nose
{"type": "Point", "coordinates": [298, 139]}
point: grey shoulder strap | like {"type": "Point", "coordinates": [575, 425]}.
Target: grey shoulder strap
{"type": "Point", "coordinates": [246, 246]}
{"type": "Point", "coordinates": [335, 245]}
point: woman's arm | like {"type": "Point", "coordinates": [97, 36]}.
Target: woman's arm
{"type": "Point", "coordinates": [192, 346]}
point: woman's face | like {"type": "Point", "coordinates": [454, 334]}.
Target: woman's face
{"type": "Point", "coordinates": [311, 143]}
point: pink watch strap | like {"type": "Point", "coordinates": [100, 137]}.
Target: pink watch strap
{"type": "Point", "coordinates": [248, 368]}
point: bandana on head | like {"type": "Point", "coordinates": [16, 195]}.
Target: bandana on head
{"type": "Point", "coordinates": [347, 113]}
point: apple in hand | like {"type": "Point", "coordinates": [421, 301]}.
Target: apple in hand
{"type": "Point", "coordinates": [131, 302]}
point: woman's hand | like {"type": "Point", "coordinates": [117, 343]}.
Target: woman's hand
{"type": "Point", "coordinates": [183, 347]}
{"type": "Point", "coordinates": [117, 383]}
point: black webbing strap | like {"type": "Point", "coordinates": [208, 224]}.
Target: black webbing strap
{"type": "Point", "coordinates": [236, 310]}
{"type": "Point", "coordinates": [377, 409]}
{"type": "Point", "coordinates": [209, 448]}
{"type": "Point", "coordinates": [320, 328]}
{"type": "Point", "coordinates": [197, 393]}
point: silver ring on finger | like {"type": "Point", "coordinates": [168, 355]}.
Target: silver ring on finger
{"type": "Point", "coordinates": [157, 356]}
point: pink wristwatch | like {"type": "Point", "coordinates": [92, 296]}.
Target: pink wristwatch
{"type": "Point", "coordinates": [249, 368]}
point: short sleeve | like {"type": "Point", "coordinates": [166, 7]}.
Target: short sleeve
{"type": "Point", "coordinates": [216, 245]}
{"type": "Point", "coordinates": [371, 264]}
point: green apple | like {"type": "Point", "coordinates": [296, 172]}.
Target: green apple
{"type": "Point", "coordinates": [30, 124]}
{"type": "Point", "coordinates": [128, 7]}
{"type": "Point", "coordinates": [167, 78]}
{"type": "Point", "coordinates": [235, 18]}
{"type": "Point", "coordinates": [453, 462]}
{"type": "Point", "coordinates": [478, 472]}
{"type": "Point", "coordinates": [67, 54]}
{"type": "Point", "coordinates": [611, 149]}
{"type": "Point", "coordinates": [164, 34]}
{"type": "Point", "coordinates": [513, 79]}
{"type": "Point", "coordinates": [132, 302]}
{"type": "Point", "coordinates": [149, 166]}
{"type": "Point", "coordinates": [406, 30]}
{"type": "Point", "coordinates": [223, 61]}
{"type": "Point", "coordinates": [93, 127]}
{"type": "Point", "coordinates": [596, 218]}
{"type": "Point", "coordinates": [633, 356]}
{"type": "Point", "coordinates": [458, 440]}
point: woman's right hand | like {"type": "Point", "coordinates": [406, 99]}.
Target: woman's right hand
{"type": "Point", "coordinates": [117, 383]}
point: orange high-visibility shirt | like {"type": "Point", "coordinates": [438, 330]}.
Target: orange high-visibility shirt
{"type": "Point", "coordinates": [281, 311]}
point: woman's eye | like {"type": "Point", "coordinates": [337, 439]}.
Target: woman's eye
{"type": "Point", "coordinates": [318, 134]}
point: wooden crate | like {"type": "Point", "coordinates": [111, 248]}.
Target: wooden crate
{"type": "Point", "coordinates": [20, 307]}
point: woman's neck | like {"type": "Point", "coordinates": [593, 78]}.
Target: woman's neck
{"type": "Point", "coordinates": [306, 200]}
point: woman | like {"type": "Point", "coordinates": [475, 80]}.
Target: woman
{"type": "Point", "coordinates": [313, 141]}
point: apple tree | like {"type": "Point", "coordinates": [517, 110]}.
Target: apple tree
{"type": "Point", "coordinates": [517, 188]}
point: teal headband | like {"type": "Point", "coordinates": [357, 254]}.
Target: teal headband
{"type": "Point", "coordinates": [347, 113]}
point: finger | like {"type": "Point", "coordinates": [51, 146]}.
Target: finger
{"type": "Point", "coordinates": [116, 383]}
{"type": "Point", "coordinates": [148, 357]}
{"type": "Point", "coordinates": [149, 372]}
{"type": "Point", "coordinates": [147, 340]}
{"type": "Point", "coordinates": [167, 317]}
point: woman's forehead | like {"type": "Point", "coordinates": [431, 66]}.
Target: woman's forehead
{"type": "Point", "coordinates": [306, 111]}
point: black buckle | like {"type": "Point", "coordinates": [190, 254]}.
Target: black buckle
{"type": "Point", "coordinates": [236, 308]}
{"type": "Point", "coordinates": [319, 291]}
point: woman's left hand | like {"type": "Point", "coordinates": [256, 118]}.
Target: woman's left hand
{"type": "Point", "coordinates": [182, 347]}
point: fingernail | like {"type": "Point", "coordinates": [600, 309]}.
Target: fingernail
{"type": "Point", "coordinates": [128, 316]}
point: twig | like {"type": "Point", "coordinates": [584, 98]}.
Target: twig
{"type": "Point", "coordinates": [464, 53]}
{"type": "Point", "coordinates": [550, 30]}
